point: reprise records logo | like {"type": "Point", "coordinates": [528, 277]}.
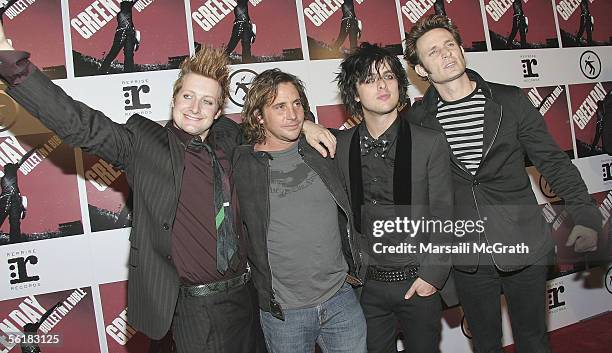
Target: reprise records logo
{"type": "Point", "coordinates": [22, 268]}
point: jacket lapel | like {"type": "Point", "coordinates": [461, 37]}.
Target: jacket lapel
{"type": "Point", "coordinates": [356, 180]}
{"type": "Point", "coordinates": [177, 154]}
{"type": "Point", "coordinates": [492, 120]}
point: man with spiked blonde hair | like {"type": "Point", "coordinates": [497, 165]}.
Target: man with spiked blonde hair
{"type": "Point", "coordinates": [187, 263]}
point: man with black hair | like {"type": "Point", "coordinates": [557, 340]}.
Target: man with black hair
{"type": "Point", "coordinates": [490, 128]}
{"type": "Point", "coordinates": [125, 37]}
{"type": "Point", "coordinates": [394, 168]}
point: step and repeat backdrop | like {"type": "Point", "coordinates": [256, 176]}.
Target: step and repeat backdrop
{"type": "Point", "coordinates": [65, 259]}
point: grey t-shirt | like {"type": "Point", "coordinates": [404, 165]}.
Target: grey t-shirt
{"type": "Point", "coordinates": [304, 245]}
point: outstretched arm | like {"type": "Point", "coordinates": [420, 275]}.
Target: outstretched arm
{"type": "Point", "coordinates": [74, 122]}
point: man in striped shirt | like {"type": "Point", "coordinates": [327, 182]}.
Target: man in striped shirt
{"type": "Point", "coordinates": [491, 128]}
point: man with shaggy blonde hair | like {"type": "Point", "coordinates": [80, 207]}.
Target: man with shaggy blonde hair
{"type": "Point", "coordinates": [187, 263]}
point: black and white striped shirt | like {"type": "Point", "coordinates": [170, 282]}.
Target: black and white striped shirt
{"type": "Point", "coordinates": [463, 124]}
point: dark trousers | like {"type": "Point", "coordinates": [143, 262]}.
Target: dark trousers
{"type": "Point", "coordinates": [125, 39]}
{"type": "Point", "coordinates": [241, 32]}
{"type": "Point", "coordinates": [585, 24]}
{"type": "Point", "coordinates": [14, 214]}
{"type": "Point", "coordinates": [348, 27]}
{"type": "Point", "coordinates": [518, 25]}
{"type": "Point", "coordinates": [226, 322]}
{"type": "Point", "coordinates": [384, 305]}
{"type": "Point", "coordinates": [479, 294]}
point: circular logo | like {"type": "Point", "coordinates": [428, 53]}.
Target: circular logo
{"type": "Point", "coordinates": [8, 111]}
{"type": "Point", "coordinates": [465, 329]}
{"type": "Point", "coordinates": [608, 280]}
{"type": "Point", "coordinates": [545, 188]}
{"type": "Point", "coordinates": [590, 64]}
{"type": "Point", "coordinates": [240, 80]}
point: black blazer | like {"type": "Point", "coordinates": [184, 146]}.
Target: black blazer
{"type": "Point", "coordinates": [421, 179]}
{"type": "Point", "coordinates": [500, 192]}
{"type": "Point", "coordinates": [152, 158]}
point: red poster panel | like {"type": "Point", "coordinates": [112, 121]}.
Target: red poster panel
{"type": "Point", "coordinates": [336, 27]}
{"type": "Point", "coordinates": [36, 27]}
{"type": "Point", "coordinates": [251, 31]}
{"type": "Point", "coordinates": [64, 321]}
{"type": "Point", "coordinates": [120, 336]}
{"type": "Point", "coordinates": [521, 24]}
{"type": "Point", "coordinates": [40, 197]}
{"type": "Point", "coordinates": [584, 22]}
{"type": "Point", "coordinates": [585, 100]}
{"type": "Point", "coordinates": [465, 14]}
{"type": "Point", "coordinates": [118, 36]}
{"type": "Point", "coordinates": [551, 102]}
{"type": "Point", "coordinates": [335, 117]}
{"type": "Point", "coordinates": [108, 195]}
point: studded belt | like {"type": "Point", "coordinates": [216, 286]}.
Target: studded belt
{"type": "Point", "coordinates": [376, 274]}
{"type": "Point", "coordinates": [215, 287]}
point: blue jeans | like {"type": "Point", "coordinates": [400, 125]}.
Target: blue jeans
{"type": "Point", "coordinates": [337, 325]}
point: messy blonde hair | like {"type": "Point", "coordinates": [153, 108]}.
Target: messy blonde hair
{"type": "Point", "coordinates": [208, 62]}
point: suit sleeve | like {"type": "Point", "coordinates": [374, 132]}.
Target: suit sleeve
{"type": "Point", "coordinates": [435, 268]}
{"type": "Point", "coordinates": [555, 165]}
{"type": "Point", "coordinates": [74, 122]}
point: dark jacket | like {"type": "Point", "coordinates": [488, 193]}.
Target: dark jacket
{"type": "Point", "coordinates": [500, 192]}
{"type": "Point", "coordinates": [421, 180]}
{"type": "Point", "coordinates": [152, 157]}
{"type": "Point", "coordinates": [252, 183]}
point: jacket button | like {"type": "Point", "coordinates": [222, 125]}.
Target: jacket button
{"type": "Point", "coordinates": [166, 226]}
{"type": "Point", "coordinates": [169, 258]}
{"type": "Point", "coordinates": [475, 182]}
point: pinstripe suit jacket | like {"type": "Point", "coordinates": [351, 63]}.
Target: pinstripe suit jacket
{"type": "Point", "coordinates": [152, 158]}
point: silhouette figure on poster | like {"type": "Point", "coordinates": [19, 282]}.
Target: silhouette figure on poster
{"type": "Point", "coordinates": [520, 24]}
{"type": "Point", "coordinates": [603, 124]}
{"type": "Point", "coordinates": [439, 7]}
{"type": "Point", "coordinates": [243, 30]}
{"type": "Point", "coordinates": [5, 7]}
{"type": "Point", "coordinates": [126, 37]}
{"type": "Point", "coordinates": [349, 26]}
{"type": "Point", "coordinates": [31, 329]}
{"type": "Point", "coordinates": [11, 202]}
{"type": "Point", "coordinates": [586, 23]}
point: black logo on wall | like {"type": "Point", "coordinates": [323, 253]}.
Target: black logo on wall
{"type": "Point", "coordinates": [606, 171]}
{"type": "Point", "coordinates": [19, 269]}
{"type": "Point", "coordinates": [133, 98]}
{"type": "Point", "coordinates": [528, 68]}
{"type": "Point", "coordinates": [590, 64]}
{"type": "Point", "coordinates": [240, 80]}
{"type": "Point", "coordinates": [554, 297]}
{"type": "Point", "coordinates": [545, 188]}
{"type": "Point", "coordinates": [608, 280]}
